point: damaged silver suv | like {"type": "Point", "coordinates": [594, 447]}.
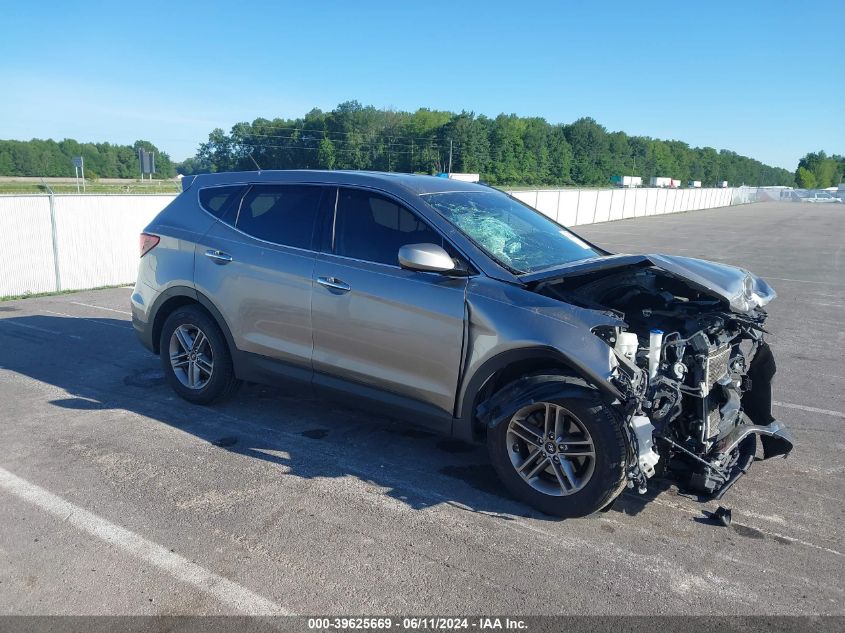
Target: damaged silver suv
{"type": "Point", "coordinates": [456, 307]}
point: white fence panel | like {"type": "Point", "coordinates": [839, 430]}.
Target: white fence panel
{"type": "Point", "coordinates": [27, 246]}
{"type": "Point", "coordinates": [567, 212]}
{"type": "Point", "coordinates": [668, 201]}
{"type": "Point", "coordinates": [629, 203]}
{"type": "Point", "coordinates": [587, 201]}
{"type": "Point", "coordinates": [547, 203]}
{"type": "Point", "coordinates": [675, 203]}
{"type": "Point", "coordinates": [98, 237]}
{"type": "Point", "coordinates": [616, 200]}
{"type": "Point", "coordinates": [640, 202]}
{"type": "Point", "coordinates": [602, 213]}
{"type": "Point", "coordinates": [528, 197]}
{"type": "Point", "coordinates": [659, 202]}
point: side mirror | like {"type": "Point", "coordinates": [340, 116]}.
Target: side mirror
{"type": "Point", "coordinates": [425, 257]}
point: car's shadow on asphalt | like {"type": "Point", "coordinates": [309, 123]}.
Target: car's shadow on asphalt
{"type": "Point", "coordinates": [103, 368]}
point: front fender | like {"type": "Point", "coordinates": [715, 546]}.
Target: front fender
{"type": "Point", "coordinates": [509, 324]}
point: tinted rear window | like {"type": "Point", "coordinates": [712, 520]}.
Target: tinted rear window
{"type": "Point", "coordinates": [282, 214]}
{"type": "Point", "coordinates": [219, 200]}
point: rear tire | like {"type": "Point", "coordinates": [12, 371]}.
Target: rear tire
{"type": "Point", "coordinates": [577, 472]}
{"type": "Point", "coordinates": [195, 356]}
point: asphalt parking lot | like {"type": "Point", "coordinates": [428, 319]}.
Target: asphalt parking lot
{"type": "Point", "coordinates": [119, 498]}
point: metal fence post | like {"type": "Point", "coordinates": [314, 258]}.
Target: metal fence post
{"type": "Point", "coordinates": [577, 207]}
{"type": "Point", "coordinates": [557, 213]}
{"type": "Point", "coordinates": [55, 238]}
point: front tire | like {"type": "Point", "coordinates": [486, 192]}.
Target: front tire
{"type": "Point", "coordinates": [195, 356]}
{"type": "Point", "coordinates": [563, 456]}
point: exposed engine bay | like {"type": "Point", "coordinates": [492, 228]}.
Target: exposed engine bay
{"type": "Point", "coordinates": [692, 364]}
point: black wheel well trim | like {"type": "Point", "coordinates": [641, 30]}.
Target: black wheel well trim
{"type": "Point", "coordinates": [494, 366]}
{"type": "Point", "coordinates": [530, 390]}
{"type": "Point", "coordinates": [178, 296]}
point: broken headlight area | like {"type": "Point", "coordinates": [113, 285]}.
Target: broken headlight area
{"type": "Point", "coordinates": [695, 374]}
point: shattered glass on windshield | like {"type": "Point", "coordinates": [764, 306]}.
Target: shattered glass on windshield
{"type": "Point", "coordinates": [510, 232]}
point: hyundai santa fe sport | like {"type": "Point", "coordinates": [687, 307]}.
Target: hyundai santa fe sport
{"type": "Point", "coordinates": [456, 307]}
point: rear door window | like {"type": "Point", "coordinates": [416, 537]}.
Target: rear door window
{"type": "Point", "coordinates": [282, 214]}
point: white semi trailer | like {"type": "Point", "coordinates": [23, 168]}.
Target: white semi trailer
{"type": "Point", "coordinates": [660, 181]}
{"type": "Point", "coordinates": [627, 181]}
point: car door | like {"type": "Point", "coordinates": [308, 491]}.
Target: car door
{"type": "Point", "coordinates": [379, 328]}
{"type": "Point", "coordinates": [256, 265]}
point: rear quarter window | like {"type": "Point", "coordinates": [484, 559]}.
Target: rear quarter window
{"type": "Point", "coordinates": [219, 201]}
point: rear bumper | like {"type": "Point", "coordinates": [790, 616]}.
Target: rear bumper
{"type": "Point", "coordinates": [144, 331]}
{"type": "Point", "coordinates": [142, 301]}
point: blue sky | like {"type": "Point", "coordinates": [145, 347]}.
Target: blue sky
{"type": "Point", "coordinates": [760, 78]}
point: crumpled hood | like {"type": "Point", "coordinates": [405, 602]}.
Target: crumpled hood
{"type": "Point", "coordinates": [742, 289]}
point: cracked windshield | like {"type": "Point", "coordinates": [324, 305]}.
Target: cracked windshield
{"type": "Point", "coordinates": [513, 234]}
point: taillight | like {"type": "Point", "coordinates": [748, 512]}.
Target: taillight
{"type": "Point", "coordinates": [148, 243]}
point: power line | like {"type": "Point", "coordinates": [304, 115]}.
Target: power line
{"type": "Point", "coordinates": [362, 150]}
{"type": "Point", "coordinates": [327, 132]}
{"type": "Point", "coordinates": [370, 139]}
{"type": "Point", "coordinates": [247, 140]}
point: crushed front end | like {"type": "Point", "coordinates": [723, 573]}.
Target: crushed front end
{"type": "Point", "coordinates": [693, 365]}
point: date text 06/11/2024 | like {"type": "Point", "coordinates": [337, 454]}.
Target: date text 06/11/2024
{"type": "Point", "coordinates": [417, 623]}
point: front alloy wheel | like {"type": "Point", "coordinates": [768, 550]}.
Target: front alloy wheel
{"type": "Point", "coordinates": [551, 449]}
{"type": "Point", "coordinates": [564, 455]}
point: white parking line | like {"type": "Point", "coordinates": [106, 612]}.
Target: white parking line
{"type": "Point", "coordinates": [179, 567]}
{"type": "Point", "coordinates": [801, 407]}
{"type": "Point", "coordinates": [75, 316]}
{"type": "Point", "coordinates": [38, 329]}
{"type": "Point", "coordinates": [91, 305]}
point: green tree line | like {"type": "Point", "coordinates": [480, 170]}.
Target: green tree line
{"type": "Point", "coordinates": [50, 158]}
{"type": "Point", "coordinates": [818, 170]}
{"type": "Point", "coordinates": [505, 150]}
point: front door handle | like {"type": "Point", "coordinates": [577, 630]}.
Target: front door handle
{"type": "Point", "coordinates": [218, 257]}
{"type": "Point", "coordinates": [334, 284]}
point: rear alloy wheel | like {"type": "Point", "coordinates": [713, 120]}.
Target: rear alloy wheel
{"type": "Point", "coordinates": [195, 356]}
{"type": "Point", "coordinates": [565, 457]}
{"type": "Point", "coordinates": [191, 356]}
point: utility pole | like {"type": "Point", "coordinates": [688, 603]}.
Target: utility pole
{"type": "Point", "coordinates": [450, 157]}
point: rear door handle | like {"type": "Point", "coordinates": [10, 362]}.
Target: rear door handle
{"type": "Point", "coordinates": [334, 284]}
{"type": "Point", "coordinates": [218, 257]}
